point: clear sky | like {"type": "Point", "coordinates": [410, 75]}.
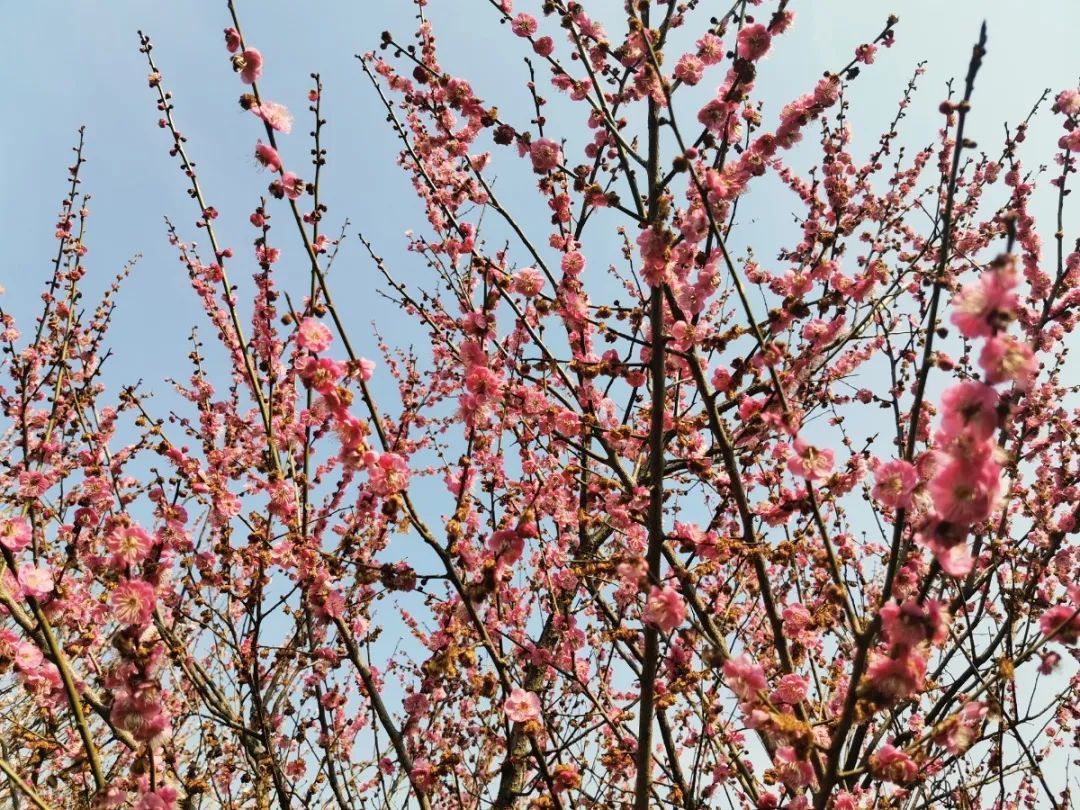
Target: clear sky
{"type": "Point", "coordinates": [67, 63]}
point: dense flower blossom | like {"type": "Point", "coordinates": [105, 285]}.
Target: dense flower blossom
{"type": "Point", "coordinates": [14, 534]}
{"type": "Point", "coordinates": [894, 765]}
{"type": "Point", "coordinates": [894, 482]}
{"type": "Point", "coordinates": [665, 609]}
{"type": "Point", "coordinates": [133, 602]}
{"type": "Point", "coordinates": [522, 706]}
{"type": "Point", "coordinates": [313, 335]}
{"type": "Point", "coordinates": [546, 155]}
{"type": "Point", "coordinates": [810, 462]}
{"type": "Point", "coordinates": [276, 116]}
{"type": "Point", "coordinates": [36, 580]}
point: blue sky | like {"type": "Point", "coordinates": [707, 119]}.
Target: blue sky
{"type": "Point", "coordinates": [71, 63]}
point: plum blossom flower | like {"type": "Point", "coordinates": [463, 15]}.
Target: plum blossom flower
{"type": "Point", "coordinates": [524, 25]}
{"type": "Point", "coordinates": [958, 733]}
{"type": "Point", "coordinates": [546, 155]}
{"type": "Point", "coordinates": [894, 481]}
{"type": "Point", "coordinates": [522, 706]}
{"type": "Point", "coordinates": [744, 676]}
{"type": "Point", "coordinates": [313, 335]}
{"type": "Point", "coordinates": [528, 282]}
{"type": "Point", "coordinates": [970, 406]}
{"type": "Point", "coordinates": [267, 156]}
{"type": "Point", "coordinates": [753, 42]}
{"type": "Point", "coordinates": [793, 771]}
{"type": "Point", "coordinates": [1063, 621]}
{"type": "Point", "coordinates": [983, 307]}
{"type": "Point", "coordinates": [15, 534]}
{"type": "Point", "coordinates": [893, 679]}
{"type": "Point", "coordinates": [133, 602]}
{"type": "Point", "coordinates": [422, 774]}
{"type": "Point", "coordinates": [276, 116]}
{"type": "Point", "coordinates": [914, 622]}
{"type": "Point", "coordinates": [129, 545]}
{"type": "Point", "coordinates": [249, 64]}
{"type": "Point", "coordinates": [965, 494]}
{"type": "Point", "coordinates": [893, 765]}
{"type": "Point", "coordinates": [809, 462]}
{"type": "Point", "coordinates": [664, 609]}
{"type": "Point", "coordinates": [232, 40]}
{"type": "Point", "coordinates": [1006, 359]}
{"type": "Point", "coordinates": [36, 580]}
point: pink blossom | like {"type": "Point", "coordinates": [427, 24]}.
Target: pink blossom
{"type": "Point", "coordinates": [27, 656]}
{"type": "Point", "coordinates": [522, 706]}
{"type": "Point", "coordinates": [313, 335]}
{"type": "Point", "coordinates": [276, 116]}
{"type": "Point", "coordinates": [15, 534]}
{"type": "Point", "coordinates": [267, 156]}
{"type": "Point", "coordinates": [422, 774]}
{"type": "Point", "coordinates": [791, 769]}
{"type": "Point", "coordinates": [987, 305]}
{"type": "Point", "coordinates": [893, 765]}
{"type": "Point", "coordinates": [689, 69]}
{"type": "Point", "coordinates": [546, 155]}
{"type": "Point", "coordinates": [744, 677]}
{"type": "Point", "coordinates": [914, 622]}
{"type": "Point", "coordinates": [129, 545]}
{"type": "Point", "coordinates": [809, 462]}
{"type": "Point", "coordinates": [133, 602]}
{"type": "Point", "coordinates": [524, 25]}
{"type": "Point", "coordinates": [528, 282]}
{"type": "Point", "coordinates": [232, 40]}
{"type": "Point", "coordinates": [961, 730]}
{"type": "Point", "coordinates": [249, 64]}
{"type": "Point", "coordinates": [753, 42]}
{"type": "Point", "coordinates": [893, 679]}
{"type": "Point", "coordinates": [36, 580]}
{"type": "Point", "coordinates": [544, 46]}
{"type": "Point", "coordinates": [965, 494]}
{"type": "Point", "coordinates": [1063, 622]}
{"type": "Point", "coordinates": [1006, 359]}
{"type": "Point", "coordinates": [970, 406]}
{"type": "Point", "coordinates": [894, 482]}
{"type": "Point", "coordinates": [664, 609]}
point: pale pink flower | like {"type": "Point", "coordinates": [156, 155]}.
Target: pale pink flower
{"type": "Point", "coordinates": [792, 770]}
{"type": "Point", "coordinates": [970, 406]}
{"type": "Point", "coordinates": [522, 706]}
{"type": "Point", "coordinates": [36, 580]}
{"type": "Point", "coordinates": [133, 602]}
{"type": "Point", "coordinates": [809, 462]}
{"type": "Point", "coordinates": [893, 765]}
{"type": "Point", "coordinates": [961, 730]}
{"type": "Point", "coordinates": [313, 335]}
{"type": "Point", "coordinates": [664, 609]}
{"type": "Point", "coordinates": [914, 622]}
{"type": "Point", "coordinates": [744, 676]}
{"type": "Point", "coordinates": [15, 534]}
{"type": "Point", "coordinates": [965, 494]}
{"type": "Point", "coordinates": [267, 156]}
{"type": "Point", "coordinates": [249, 64]}
{"type": "Point", "coordinates": [524, 25]}
{"type": "Point", "coordinates": [276, 116]}
{"type": "Point", "coordinates": [1063, 621]}
{"type": "Point", "coordinates": [1006, 359]}
{"type": "Point", "coordinates": [893, 679]}
{"type": "Point", "coordinates": [894, 481]}
{"type": "Point", "coordinates": [546, 155]}
{"type": "Point", "coordinates": [986, 305]}
{"type": "Point", "coordinates": [422, 774]}
{"type": "Point", "coordinates": [27, 656]}
{"type": "Point", "coordinates": [528, 282]}
{"type": "Point", "coordinates": [129, 545]}
{"type": "Point", "coordinates": [753, 42]}
{"type": "Point", "coordinates": [689, 69]}
{"type": "Point", "coordinates": [232, 40]}
{"type": "Point", "coordinates": [292, 186]}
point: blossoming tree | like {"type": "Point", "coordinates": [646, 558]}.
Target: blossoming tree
{"type": "Point", "coordinates": [664, 525]}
